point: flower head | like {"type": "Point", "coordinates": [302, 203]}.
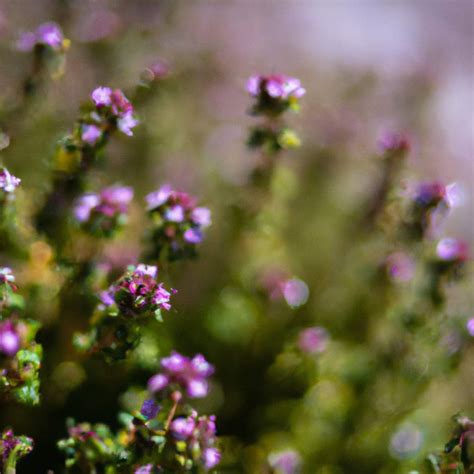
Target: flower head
{"type": "Point", "coordinates": [285, 462]}
{"type": "Point", "coordinates": [189, 374]}
{"type": "Point", "coordinates": [91, 134]}
{"type": "Point", "coordinates": [47, 34]}
{"type": "Point", "coordinates": [178, 222]}
{"type": "Point", "coordinates": [138, 292]}
{"type": "Point", "coordinates": [9, 339]}
{"type": "Point", "coordinates": [113, 106]}
{"type": "Point", "coordinates": [313, 340]}
{"type": "Point", "coordinates": [8, 182]}
{"type": "Point", "coordinates": [105, 212]}
{"type": "Point", "coordinates": [452, 250]}
{"type": "Point", "coordinates": [274, 93]}
{"type": "Point", "coordinates": [199, 435]}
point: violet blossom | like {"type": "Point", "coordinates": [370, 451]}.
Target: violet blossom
{"type": "Point", "coordinates": [9, 339]}
{"type": "Point", "coordinates": [313, 340]}
{"type": "Point", "coordinates": [189, 375]}
{"type": "Point", "coordinates": [47, 34]}
{"type": "Point", "coordinates": [199, 434]}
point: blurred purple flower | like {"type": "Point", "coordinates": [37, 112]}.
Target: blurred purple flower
{"type": "Point", "coordinates": [9, 339]}
{"type": "Point", "coordinates": [48, 34]}
{"type": "Point", "coordinates": [277, 86]}
{"type": "Point", "coordinates": [91, 134]}
{"type": "Point", "coordinates": [452, 250]}
{"type": "Point", "coordinates": [470, 326]}
{"type": "Point", "coordinates": [149, 409]}
{"type": "Point", "coordinates": [126, 123]}
{"type": "Point", "coordinates": [8, 182]}
{"type": "Point", "coordinates": [295, 292]}
{"type": "Point", "coordinates": [285, 462]}
{"type": "Point", "coordinates": [190, 374]}
{"type": "Point", "coordinates": [193, 236]}
{"type": "Point", "coordinates": [313, 340]}
{"type": "Point", "coordinates": [101, 96]}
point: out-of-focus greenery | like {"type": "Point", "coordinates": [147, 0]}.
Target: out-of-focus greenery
{"type": "Point", "coordinates": [397, 366]}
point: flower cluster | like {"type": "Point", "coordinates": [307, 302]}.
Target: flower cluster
{"type": "Point", "coordinates": [177, 223]}
{"type": "Point", "coordinates": [167, 436]}
{"type": "Point", "coordinates": [313, 340]}
{"type": "Point", "coordinates": [12, 449]}
{"type": "Point", "coordinates": [133, 298]}
{"type": "Point", "coordinates": [8, 184]}
{"type": "Point", "coordinates": [47, 35]}
{"type": "Point", "coordinates": [79, 151]}
{"type": "Point", "coordinates": [20, 355]}
{"type": "Point", "coordinates": [180, 372]}
{"type": "Point", "coordinates": [104, 213]}
{"type": "Point", "coordinates": [429, 202]}
{"type": "Point", "coordinates": [195, 439]}
{"type": "Point", "coordinates": [114, 107]}
{"type": "Point", "coordinates": [273, 94]}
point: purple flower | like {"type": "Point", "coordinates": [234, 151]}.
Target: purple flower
{"type": "Point", "coordinates": [189, 374]}
{"type": "Point", "coordinates": [6, 276]}
{"type": "Point", "coordinates": [276, 86]}
{"type": "Point", "coordinates": [126, 123]}
{"type": "Point", "coordinates": [193, 236]}
{"type": "Point", "coordinates": [104, 210]}
{"type": "Point", "coordinates": [211, 457]}
{"type": "Point", "coordinates": [183, 427]}
{"type": "Point", "coordinates": [313, 340]}
{"type": "Point", "coordinates": [199, 434]}
{"type": "Point", "coordinates": [470, 326]}
{"type": "Point", "coordinates": [9, 339]}
{"type": "Point", "coordinates": [158, 198]}
{"type": "Point", "coordinates": [48, 34]}
{"type": "Point", "coordinates": [295, 292]}
{"type": "Point", "coordinates": [175, 214]}
{"type": "Point", "coordinates": [101, 96]}
{"type": "Point", "coordinates": [180, 223]}
{"type": "Point", "coordinates": [393, 142]}
{"type": "Point", "coordinates": [201, 216]}
{"type": "Point", "coordinates": [452, 250]}
{"type": "Point", "coordinates": [138, 292]}
{"type": "Point", "coordinates": [285, 462]}
{"type": "Point", "coordinates": [84, 206]}
{"type": "Point", "coordinates": [8, 182]}
{"type": "Point", "coordinates": [430, 194]}
{"type": "Point", "coordinates": [91, 134]}
{"type": "Point", "coordinates": [147, 469]}
{"type": "Point", "coordinates": [149, 409]}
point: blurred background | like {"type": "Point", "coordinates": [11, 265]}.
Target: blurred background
{"type": "Point", "coordinates": [367, 67]}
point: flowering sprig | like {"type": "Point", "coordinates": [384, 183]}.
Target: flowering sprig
{"type": "Point", "coordinates": [116, 324]}
{"type": "Point", "coordinates": [8, 185]}
{"type": "Point", "coordinates": [177, 224]}
{"type": "Point", "coordinates": [103, 214]}
{"type": "Point", "coordinates": [429, 202]}
{"type": "Point", "coordinates": [12, 449]}
{"type": "Point", "coordinates": [273, 94]}
{"type": "Point", "coordinates": [108, 111]}
{"type": "Point", "coordinates": [49, 47]}
{"type": "Point", "coordinates": [20, 355]}
{"type": "Point", "coordinates": [164, 435]}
